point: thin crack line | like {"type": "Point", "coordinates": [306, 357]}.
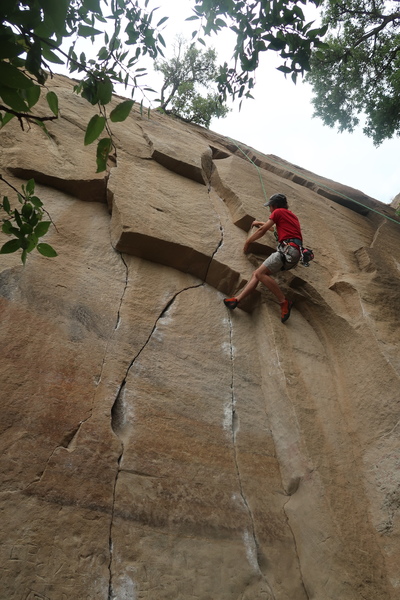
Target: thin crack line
{"type": "Point", "coordinates": [295, 549]}
{"type": "Point", "coordinates": [118, 319]}
{"type": "Point", "coordinates": [110, 534]}
{"type": "Point", "coordinates": [235, 455]}
{"type": "Point", "coordinates": [283, 375]}
{"type": "Point", "coordinates": [221, 241]}
{"type": "Point", "coordinates": [162, 313]}
{"type": "Point", "coordinates": [377, 232]}
{"type": "Point", "coordinates": [114, 411]}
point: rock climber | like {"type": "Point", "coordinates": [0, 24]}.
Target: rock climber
{"type": "Point", "coordinates": [286, 257]}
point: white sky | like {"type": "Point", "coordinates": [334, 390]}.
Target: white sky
{"type": "Point", "coordinates": [279, 121]}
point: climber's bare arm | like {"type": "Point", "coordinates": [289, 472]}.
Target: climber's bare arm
{"type": "Point", "coordinates": [262, 230]}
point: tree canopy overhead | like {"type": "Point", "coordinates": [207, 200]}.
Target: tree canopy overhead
{"type": "Point", "coordinates": [357, 72]}
{"type": "Point", "coordinates": [261, 25]}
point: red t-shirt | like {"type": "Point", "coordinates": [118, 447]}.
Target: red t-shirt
{"type": "Point", "coordinates": [287, 224]}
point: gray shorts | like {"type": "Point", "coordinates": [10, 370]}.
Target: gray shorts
{"type": "Point", "coordinates": [276, 262]}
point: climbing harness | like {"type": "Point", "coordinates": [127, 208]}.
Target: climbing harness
{"type": "Point", "coordinates": [306, 254]}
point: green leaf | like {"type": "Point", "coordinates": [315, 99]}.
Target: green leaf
{"type": "Point", "coordinates": [12, 77]}
{"type": "Point", "coordinates": [7, 117]}
{"type": "Point", "coordinates": [104, 91]}
{"type": "Point", "coordinates": [34, 219]}
{"type": "Point", "coordinates": [46, 250]}
{"type": "Point", "coordinates": [52, 101]}
{"type": "Point", "coordinates": [284, 69]}
{"type": "Point", "coordinates": [33, 240]}
{"type": "Point", "coordinates": [94, 129]}
{"type": "Point", "coordinates": [26, 229]}
{"type": "Point", "coordinates": [10, 230]}
{"type": "Point", "coordinates": [17, 217]}
{"type": "Point", "coordinates": [162, 21]}
{"type": "Point", "coordinates": [121, 112]}
{"type": "Point", "coordinates": [36, 201]}
{"type": "Point", "coordinates": [7, 227]}
{"type": "Point", "coordinates": [86, 31]}
{"type": "Point", "coordinates": [30, 186]}
{"type": "Point", "coordinates": [6, 204]}
{"type": "Point", "coordinates": [42, 228]}
{"type": "Point", "coordinates": [11, 246]}
{"type": "Point", "coordinates": [32, 95]}
{"type": "Point", "coordinates": [92, 5]}
{"type": "Point", "coordinates": [8, 47]}
{"type": "Point", "coordinates": [26, 211]}
{"type": "Point", "coordinates": [103, 150]}
{"type": "Point", "coordinates": [33, 59]}
{"type": "Point", "coordinates": [13, 99]}
{"type": "Point", "coordinates": [103, 53]}
{"type": "Point", "coordinates": [50, 56]}
{"type": "Point", "coordinates": [56, 11]}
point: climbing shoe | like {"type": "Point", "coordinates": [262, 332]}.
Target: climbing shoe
{"type": "Point", "coordinates": [286, 307]}
{"type": "Point", "coordinates": [231, 303]}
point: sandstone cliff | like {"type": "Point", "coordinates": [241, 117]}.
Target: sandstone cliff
{"type": "Point", "coordinates": [155, 445]}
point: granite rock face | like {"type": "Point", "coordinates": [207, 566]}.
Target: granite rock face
{"type": "Point", "coordinates": [156, 446]}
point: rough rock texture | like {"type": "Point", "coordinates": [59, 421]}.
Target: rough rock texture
{"type": "Point", "coordinates": [156, 446]}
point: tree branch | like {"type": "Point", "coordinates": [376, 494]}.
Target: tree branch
{"type": "Point", "coordinates": [28, 116]}
{"type": "Point", "coordinates": [11, 186]}
{"type": "Point", "coordinates": [374, 32]}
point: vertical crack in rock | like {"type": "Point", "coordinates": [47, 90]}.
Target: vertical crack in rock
{"type": "Point", "coordinates": [253, 551]}
{"type": "Point", "coordinates": [118, 421]}
{"type": "Point", "coordinates": [123, 293]}
{"type": "Point", "coordinates": [118, 321]}
{"type": "Point", "coordinates": [221, 240]}
{"type": "Point", "coordinates": [295, 545]}
{"type": "Point", "coordinates": [111, 595]}
{"type": "Point", "coordinates": [295, 483]}
{"type": "Point", "coordinates": [377, 232]}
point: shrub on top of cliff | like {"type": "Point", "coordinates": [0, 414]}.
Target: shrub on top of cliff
{"type": "Point", "coordinates": [186, 76]}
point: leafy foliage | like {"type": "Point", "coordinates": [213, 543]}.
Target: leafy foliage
{"type": "Point", "coordinates": [259, 26]}
{"type": "Point", "coordinates": [32, 38]}
{"type": "Point", "coordinates": [358, 70]}
{"type": "Point", "coordinates": [25, 224]}
{"type": "Point", "coordinates": [186, 75]}
{"type": "Point", "coordinates": [33, 35]}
